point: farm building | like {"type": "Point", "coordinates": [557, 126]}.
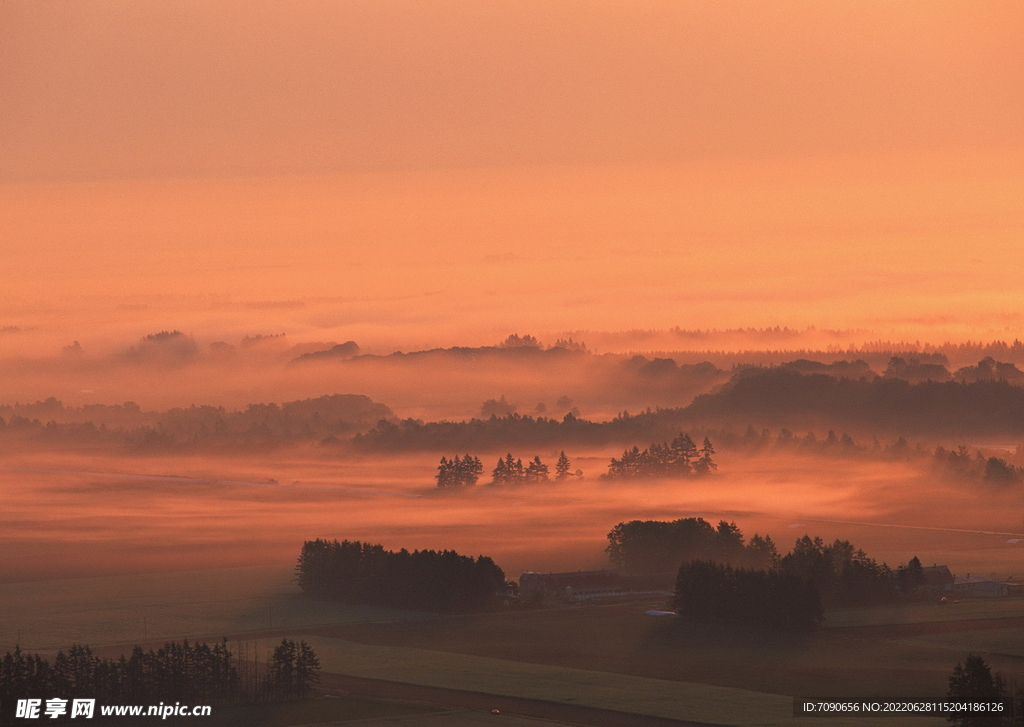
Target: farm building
{"type": "Point", "coordinates": [979, 586]}
{"type": "Point", "coordinates": [938, 577]}
{"type": "Point", "coordinates": [580, 583]}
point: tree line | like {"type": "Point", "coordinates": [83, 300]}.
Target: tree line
{"type": "Point", "coordinates": [424, 580]}
{"type": "Point", "coordinates": [326, 419]}
{"type": "Point", "coordinates": [782, 396]}
{"type": "Point", "coordinates": [186, 672]}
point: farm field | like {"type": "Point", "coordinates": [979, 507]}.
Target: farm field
{"type": "Point", "coordinates": [127, 609]}
{"type": "Point", "coordinates": [674, 700]}
{"type": "Point", "coordinates": [963, 610]}
{"type": "Point", "coordinates": [619, 639]}
{"type": "Point", "coordinates": [1002, 642]}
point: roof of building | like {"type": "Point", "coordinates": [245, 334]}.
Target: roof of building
{"type": "Point", "coordinates": [935, 575]}
{"type": "Point", "coordinates": [969, 579]}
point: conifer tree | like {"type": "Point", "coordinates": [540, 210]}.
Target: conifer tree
{"type": "Point", "coordinates": [537, 471]}
{"type": "Point", "coordinates": [704, 465]}
{"type": "Point", "coordinates": [499, 476]}
{"type": "Point", "coordinates": [562, 466]}
{"type": "Point", "coordinates": [973, 682]}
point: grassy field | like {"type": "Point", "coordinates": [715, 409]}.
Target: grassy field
{"type": "Point", "coordinates": [47, 615]}
{"type": "Point", "coordinates": [963, 609]}
{"type": "Point", "coordinates": [608, 657]}
{"type": "Point", "coordinates": [995, 642]}
{"type": "Point", "coordinates": [828, 664]}
{"type": "Point", "coordinates": [602, 690]}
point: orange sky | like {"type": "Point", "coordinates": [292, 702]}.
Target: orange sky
{"type": "Point", "coordinates": [447, 172]}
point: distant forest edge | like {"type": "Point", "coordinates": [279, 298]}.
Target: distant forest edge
{"type": "Point", "coordinates": [325, 418]}
{"type": "Point", "coordinates": [777, 397]}
{"type": "Point", "coordinates": [986, 399]}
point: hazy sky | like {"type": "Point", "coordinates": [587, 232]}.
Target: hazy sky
{"type": "Point", "coordinates": [462, 168]}
{"type": "Point", "coordinates": [132, 87]}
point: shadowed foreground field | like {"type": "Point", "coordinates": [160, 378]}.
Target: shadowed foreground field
{"type": "Point", "coordinates": [831, 664]}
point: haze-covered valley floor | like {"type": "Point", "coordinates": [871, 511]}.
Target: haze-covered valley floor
{"type": "Point", "coordinates": [69, 514]}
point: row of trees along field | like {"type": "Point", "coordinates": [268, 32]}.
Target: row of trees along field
{"type": "Point", "coordinates": [465, 471]}
{"type": "Point", "coordinates": [424, 580]}
{"type": "Point", "coordinates": [194, 673]}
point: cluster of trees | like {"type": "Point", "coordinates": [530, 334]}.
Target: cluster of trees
{"type": "Point", "coordinates": [790, 592]}
{"type": "Point", "coordinates": [294, 669]}
{"type": "Point", "coordinates": [657, 546]}
{"type": "Point", "coordinates": [425, 580]}
{"type": "Point", "coordinates": [510, 471]}
{"type": "Point", "coordinates": [842, 574]}
{"type": "Point", "coordinates": [465, 471]}
{"type": "Point", "coordinates": [972, 682]}
{"type": "Point", "coordinates": [846, 576]}
{"type": "Point", "coordinates": [177, 672]}
{"type": "Point", "coordinates": [678, 459]}
{"type": "Point", "coordinates": [960, 464]}
{"type": "Point", "coordinates": [714, 592]}
{"type": "Point", "coordinates": [458, 472]}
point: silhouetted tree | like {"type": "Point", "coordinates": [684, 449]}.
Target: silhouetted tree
{"type": "Point", "coordinates": [537, 471]}
{"type": "Point", "coordinates": [713, 592]}
{"type": "Point", "coordinates": [973, 682]}
{"type": "Point", "coordinates": [663, 460]}
{"type": "Point", "coordinates": [704, 465]}
{"type": "Point", "coordinates": [427, 580]}
{"type": "Point", "coordinates": [654, 546]}
{"type": "Point", "coordinates": [294, 669]}
{"type": "Point", "coordinates": [517, 341]}
{"type": "Point", "coordinates": [911, 576]}
{"type": "Point", "coordinates": [497, 408]}
{"type": "Point", "coordinates": [562, 466]}
{"type": "Point", "coordinates": [458, 472]}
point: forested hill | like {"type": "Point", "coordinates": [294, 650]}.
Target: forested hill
{"type": "Point", "coordinates": [783, 397]}
{"type": "Point", "coordinates": [779, 397]}
{"type": "Point", "coordinates": [771, 397]}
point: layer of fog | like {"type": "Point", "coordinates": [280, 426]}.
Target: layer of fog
{"type": "Point", "coordinates": [67, 521]}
